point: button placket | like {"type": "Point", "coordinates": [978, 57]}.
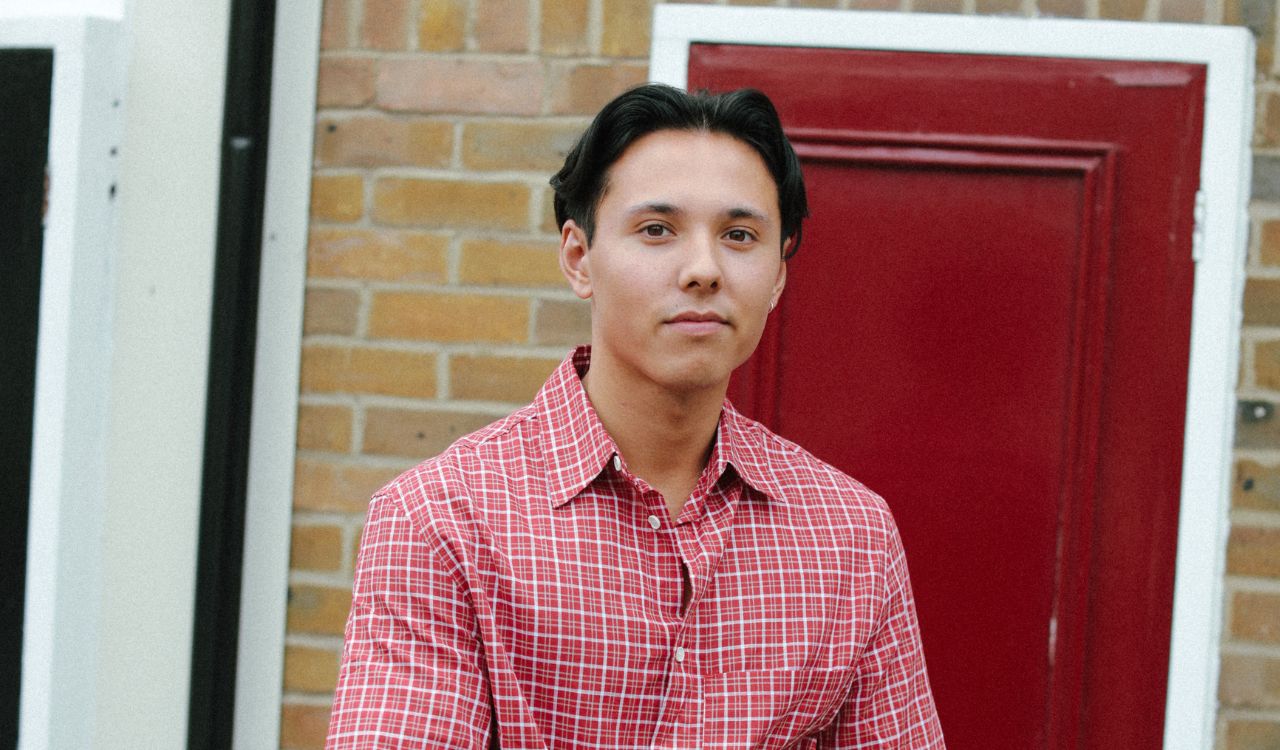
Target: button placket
{"type": "Point", "coordinates": [680, 722]}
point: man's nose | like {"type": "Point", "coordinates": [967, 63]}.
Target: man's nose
{"type": "Point", "coordinates": [701, 268]}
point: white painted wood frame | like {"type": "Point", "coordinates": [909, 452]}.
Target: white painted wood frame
{"type": "Point", "coordinates": [273, 424]}
{"type": "Point", "coordinates": [1216, 306]}
{"type": "Point", "coordinates": [61, 626]}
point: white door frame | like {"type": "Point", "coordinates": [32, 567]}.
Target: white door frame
{"type": "Point", "coordinates": [1227, 52]}
{"type": "Point", "coordinates": [277, 356]}
{"type": "Point", "coordinates": [73, 349]}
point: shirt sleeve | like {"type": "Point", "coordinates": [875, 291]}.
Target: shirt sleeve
{"type": "Point", "coordinates": [412, 673]}
{"type": "Point", "coordinates": [890, 704]}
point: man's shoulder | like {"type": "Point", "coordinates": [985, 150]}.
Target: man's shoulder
{"type": "Point", "coordinates": [802, 479]}
{"type": "Point", "coordinates": [443, 484]}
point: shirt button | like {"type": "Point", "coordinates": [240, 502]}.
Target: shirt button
{"type": "Point", "coordinates": [617, 462]}
{"type": "Point", "coordinates": [654, 522]}
{"type": "Point", "coordinates": [679, 654]}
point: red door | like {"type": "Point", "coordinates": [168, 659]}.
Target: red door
{"type": "Point", "coordinates": [988, 323]}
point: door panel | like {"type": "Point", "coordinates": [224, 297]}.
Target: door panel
{"type": "Point", "coordinates": [988, 324]}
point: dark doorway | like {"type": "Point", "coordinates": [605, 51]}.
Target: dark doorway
{"type": "Point", "coordinates": [25, 98]}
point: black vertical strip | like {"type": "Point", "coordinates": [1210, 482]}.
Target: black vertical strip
{"type": "Point", "coordinates": [231, 357]}
{"type": "Point", "coordinates": [24, 148]}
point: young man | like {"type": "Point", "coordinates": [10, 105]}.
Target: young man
{"type": "Point", "coordinates": [628, 562]}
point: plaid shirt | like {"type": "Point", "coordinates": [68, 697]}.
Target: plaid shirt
{"type": "Point", "coordinates": [525, 583]}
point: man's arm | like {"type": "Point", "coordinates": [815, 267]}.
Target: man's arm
{"type": "Point", "coordinates": [890, 704]}
{"type": "Point", "coordinates": [412, 664]}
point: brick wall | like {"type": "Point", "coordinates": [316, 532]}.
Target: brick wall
{"type": "Point", "coordinates": [434, 303]}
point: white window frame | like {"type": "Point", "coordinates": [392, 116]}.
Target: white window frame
{"type": "Point", "coordinates": [1227, 52]}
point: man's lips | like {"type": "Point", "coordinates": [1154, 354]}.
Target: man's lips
{"type": "Point", "coordinates": [694, 322]}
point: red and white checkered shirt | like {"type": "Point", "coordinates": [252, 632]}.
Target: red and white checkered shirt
{"type": "Point", "coordinates": [524, 582]}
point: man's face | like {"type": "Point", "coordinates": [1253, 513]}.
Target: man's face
{"type": "Point", "coordinates": [685, 261]}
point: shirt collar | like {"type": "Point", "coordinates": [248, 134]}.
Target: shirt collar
{"type": "Point", "coordinates": [578, 448]}
{"type": "Point", "coordinates": [575, 443]}
{"type": "Point", "coordinates": [752, 451]}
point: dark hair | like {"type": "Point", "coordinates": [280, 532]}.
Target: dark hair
{"type": "Point", "coordinates": [745, 114]}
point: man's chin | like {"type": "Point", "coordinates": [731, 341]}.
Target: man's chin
{"type": "Point", "coordinates": [696, 376]}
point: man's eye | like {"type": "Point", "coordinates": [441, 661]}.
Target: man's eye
{"type": "Point", "coordinates": [655, 230]}
{"type": "Point", "coordinates": [738, 235]}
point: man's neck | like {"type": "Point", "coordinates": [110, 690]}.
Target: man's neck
{"type": "Point", "coordinates": [665, 436]}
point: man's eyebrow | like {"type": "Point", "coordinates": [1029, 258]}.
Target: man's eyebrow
{"type": "Point", "coordinates": [742, 212]}
{"type": "Point", "coordinates": [666, 209]}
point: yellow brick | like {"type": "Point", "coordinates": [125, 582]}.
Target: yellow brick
{"type": "Point", "coordinates": [318, 609]}
{"type": "Point", "coordinates": [548, 223]}
{"type": "Point", "coordinates": [417, 434]}
{"type": "Point", "coordinates": [310, 670]}
{"type": "Point", "coordinates": [1182, 11]}
{"type": "Point", "coordinates": [1244, 734]}
{"type": "Point", "coordinates": [528, 145]}
{"type": "Point", "coordinates": [1259, 18]}
{"type": "Point", "coordinates": [341, 369]}
{"type": "Point", "coordinates": [315, 548]}
{"type": "Point", "coordinates": [451, 203]}
{"type": "Point", "coordinates": [1269, 235]}
{"type": "Point", "coordinates": [1266, 132]}
{"type": "Point", "coordinates": [1255, 616]}
{"type": "Point", "coordinates": [564, 27]}
{"type": "Point", "coordinates": [1254, 551]}
{"type": "Point", "coordinates": [303, 727]}
{"type": "Point", "coordinates": [449, 317]}
{"type": "Point", "coordinates": [337, 198]}
{"type": "Point", "coordinates": [323, 427]}
{"type": "Point", "coordinates": [1256, 486]}
{"type": "Point", "coordinates": [333, 311]}
{"type": "Point", "coordinates": [335, 24]}
{"type": "Point", "coordinates": [499, 263]}
{"type": "Point", "coordinates": [457, 84]}
{"type": "Point", "coordinates": [1062, 8]}
{"type": "Point", "coordinates": [378, 141]}
{"type": "Point", "coordinates": [442, 25]}
{"type": "Point", "coordinates": [345, 82]}
{"type": "Point", "coordinates": [1262, 302]}
{"type": "Point", "coordinates": [582, 89]}
{"type": "Point", "coordinates": [511, 379]}
{"type": "Point", "coordinates": [563, 323]}
{"type": "Point", "coordinates": [502, 25]}
{"type": "Point", "coordinates": [1250, 682]}
{"type": "Point", "coordinates": [337, 486]}
{"type": "Point", "coordinates": [1131, 10]}
{"type": "Point", "coordinates": [385, 25]}
{"type": "Point", "coordinates": [378, 254]}
{"type": "Point", "coordinates": [626, 28]}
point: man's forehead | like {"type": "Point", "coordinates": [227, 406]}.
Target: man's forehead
{"type": "Point", "coordinates": [660, 144]}
{"type": "Point", "coordinates": [718, 137]}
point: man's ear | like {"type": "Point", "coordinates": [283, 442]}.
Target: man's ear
{"type": "Point", "coordinates": [574, 261]}
{"type": "Point", "coordinates": [781, 281]}
{"type": "Point", "coordinates": [778, 284]}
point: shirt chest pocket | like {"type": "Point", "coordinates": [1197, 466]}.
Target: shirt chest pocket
{"type": "Point", "coordinates": [772, 708]}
